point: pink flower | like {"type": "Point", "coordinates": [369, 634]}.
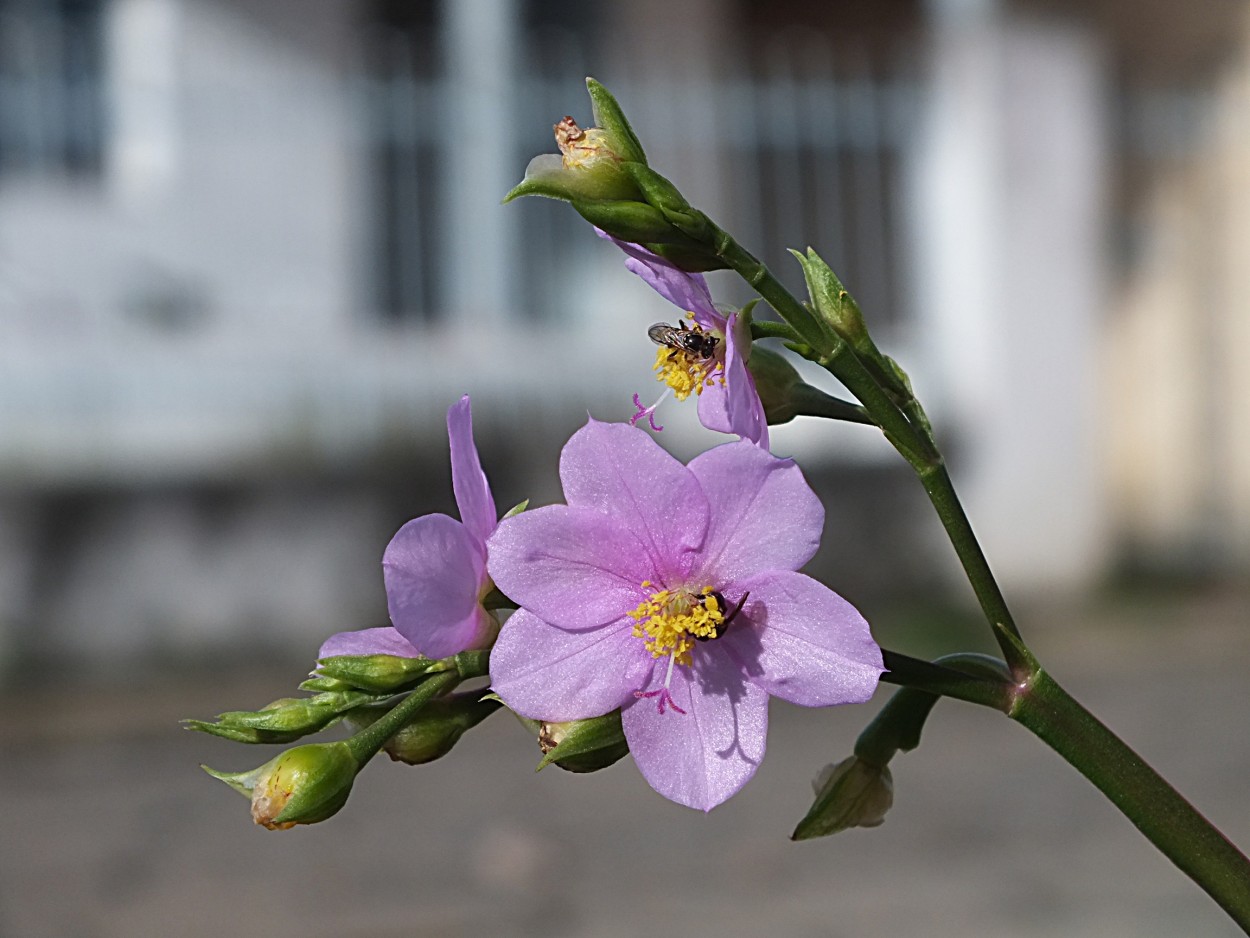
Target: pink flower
{"type": "Point", "coordinates": [728, 399]}
{"type": "Point", "coordinates": [435, 568]}
{"type": "Point", "coordinates": [628, 596]}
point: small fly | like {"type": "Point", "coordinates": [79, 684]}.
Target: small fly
{"type": "Point", "coordinates": [691, 341]}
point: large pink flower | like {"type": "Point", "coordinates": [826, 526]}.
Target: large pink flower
{"type": "Point", "coordinates": [627, 598]}
{"type": "Point", "coordinates": [728, 399]}
{"type": "Point", "coordinates": [435, 568]}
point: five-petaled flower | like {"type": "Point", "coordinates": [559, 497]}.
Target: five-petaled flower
{"type": "Point", "coordinates": [728, 400]}
{"type": "Point", "coordinates": [435, 568]}
{"type": "Point", "coordinates": [672, 592]}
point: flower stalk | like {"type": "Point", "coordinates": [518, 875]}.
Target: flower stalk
{"type": "Point", "coordinates": [1157, 809]}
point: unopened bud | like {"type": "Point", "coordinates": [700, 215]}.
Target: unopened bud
{"type": "Point", "coordinates": [583, 745]}
{"type": "Point", "coordinates": [775, 380]}
{"type": "Point", "coordinates": [833, 304]}
{"type": "Point", "coordinates": [284, 720]}
{"type": "Point", "coordinates": [303, 785]}
{"type": "Point", "coordinates": [853, 793]}
{"type": "Point", "coordinates": [379, 674]}
{"type": "Point", "coordinates": [435, 729]}
{"type": "Point", "coordinates": [785, 395]}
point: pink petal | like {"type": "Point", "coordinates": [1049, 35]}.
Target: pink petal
{"type": "Point", "coordinates": [468, 481]}
{"type": "Point", "coordinates": [714, 407]}
{"type": "Point", "coordinates": [702, 757]}
{"type": "Point", "coordinates": [687, 291]}
{"type": "Point", "coordinates": [381, 641]}
{"type": "Point", "coordinates": [434, 570]}
{"type": "Point", "coordinates": [802, 642]}
{"type": "Point", "coordinates": [745, 410]}
{"type": "Point", "coordinates": [547, 673]}
{"type": "Point", "coordinates": [765, 516]}
{"type": "Point", "coordinates": [734, 406]}
{"type": "Point", "coordinates": [621, 471]}
{"type": "Point", "coordinates": [572, 567]}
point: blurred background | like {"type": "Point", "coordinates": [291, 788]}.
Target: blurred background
{"type": "Point", "coordinates": [251, 250]}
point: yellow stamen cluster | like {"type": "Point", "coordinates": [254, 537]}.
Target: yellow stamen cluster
{"type": "Point", "coordinates": [671, 620]}
{"type": "Point", "coordinates": [685, 373]}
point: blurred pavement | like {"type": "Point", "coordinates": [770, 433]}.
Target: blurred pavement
{"type": "Point", "coordinates": [109, 829]}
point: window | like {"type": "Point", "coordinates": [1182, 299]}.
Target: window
{"type": "Point", "coordinates": [51, 101]}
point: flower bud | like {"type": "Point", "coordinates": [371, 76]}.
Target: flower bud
{"type": "Point", "coordinates": [785, 395]}
{"type": "Point", "coordinates": [775, 380]}
{"type": "Point", "coordinates": [378, 674]}
{"type": "Point", "coordinates": [853, 793]}
{"type": "Point", "coordinates": [435, 729]}
{"type": "Point", "coordinates": [833, 304]}
{"type": "Point", "coordinates": [284, 720]}
{"type": "Point", "coordinates": [583, 745]}
{"type": "Point", "coordinates": [303, 785]}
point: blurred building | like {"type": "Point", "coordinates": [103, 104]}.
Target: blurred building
{"type": "Point", "coordinates": [250, 251]}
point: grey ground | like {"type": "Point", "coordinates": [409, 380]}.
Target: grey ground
{"type": "Point", "coordinates": [109, 829]}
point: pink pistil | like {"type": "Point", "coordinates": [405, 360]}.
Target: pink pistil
{"type": "Point", "coordinates": [648, 412]}
{"type": "Point", "coordinates": [666, 699]}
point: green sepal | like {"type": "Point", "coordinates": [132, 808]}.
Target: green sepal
{"type": "Point", "coordinates": [547, 176]}
{"type": "Point", "coordinates": [662, 195]}
{"type": "Point", "coordinates": [324, 685]}
{"type": "Point", "coordinates": [834, 306]}
{"type": "Point", "coordinates": [635, 222]}
{"type": "Point", "coordinates": [242, 782]}
{"type": "Point", "coordinates": [294, 716]}
{"type": "Point", "coordinates": [688, 255]}
{"type": "Point", "coordinates": [583, 745]}
{"type": "Point", "coordinates": [377, 674]}
{"type": "Point", "coordinates": [515, 510]}
{"type": "Point", "coordinates": [609, 116]}
{"type": "Point", "coordinates": [242, 734]}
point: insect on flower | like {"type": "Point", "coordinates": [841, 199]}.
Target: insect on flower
{"type": "Point", "coordinates": [690, 340]}
{"type": "Point", "coordinates": [723, 626]}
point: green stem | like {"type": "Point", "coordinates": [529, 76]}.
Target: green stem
{"type": "Point", "coordinates": [365, 744]}
{"type": "Point", "coordinates": [989, 689]}
{"type": "Point", "coordinates": [843, 363]}
{"type": "Point", "coordinates": [808, 401]}
{"type": "Point", "coordinates": [898, 724]}
{"type": "Point", "coordinates": [833, 354]}
{"type": "Point", "coordinates": [1169, 822]}
{"type": "Point", "coordinates": [941, 491]}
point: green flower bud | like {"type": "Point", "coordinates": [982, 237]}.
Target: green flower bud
{"type": "Point", "coordinates": [775, 380]}
{"type": "Point", "coordinates": [378, 674]}
{"type": "Point", "coordinates": [435, 729]}
{"type": "Point", "coordinates": [303, 785]}
{"type": "Point", "coordinates": [284, 720]}
{"type": "Point", "coordinates": [834, 306]}
{"type": "Point", "coordinates": [853, 793]}
{"type": "Point", "coordinates": [785, 395]}
{"type": "Point", "coordinates": [583, 745]}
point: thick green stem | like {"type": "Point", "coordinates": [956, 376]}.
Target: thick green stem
{"type": "Point", "coordinates": [1158, 810]}
{"type": "Point", "coordinates": [365, 744]}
